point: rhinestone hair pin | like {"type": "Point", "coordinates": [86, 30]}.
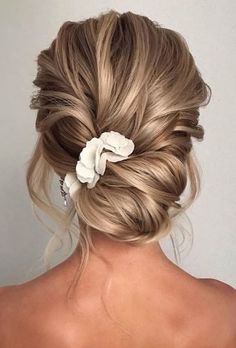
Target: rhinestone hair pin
{"type": "Point", "coordinates": [63, 192]}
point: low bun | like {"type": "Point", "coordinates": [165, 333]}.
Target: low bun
{"type": "Point", "coordinates": [126, 73]}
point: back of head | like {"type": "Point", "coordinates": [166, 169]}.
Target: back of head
{"type": "Point", "coordinates": [126, 73]}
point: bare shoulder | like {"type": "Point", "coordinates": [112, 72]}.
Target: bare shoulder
{"type": "Point", "coordinates": [226, 288]}
{"type": "Point", "coordinates": [12, 315]}
{"type": "Point", "coordinates": [31, 317]}
{"type": "Point", "coordinates": [7, 295]}
{"type": "Point", "coordinates": [218, 305]}
{"type": "Point", "coordinates": [209, 315]}
{"type": "Point", "coordinates": [224, 293]}
{"type": "Point", "coordinates": [6, 313]}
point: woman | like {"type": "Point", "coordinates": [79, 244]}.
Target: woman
{"type": "Point", "coordinates": [118, 106]}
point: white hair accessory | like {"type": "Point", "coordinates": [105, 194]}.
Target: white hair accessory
{"type": "Point", "coordinates": [92, 161]}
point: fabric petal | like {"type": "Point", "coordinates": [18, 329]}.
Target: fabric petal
{"type": "Point", "coordinates": [122, 151]}
{"type": "Point", "coordinates": [87, 155]}
{"type": "Point", "coordinates": [104, 136]}
{"type": "Point", "coordinates": [116, 139]}
{"type": "Point", "coordinates": [68, 181]}
{"type": "Point", "coordinates": [93, 183]}
{"type": "Point", "coordinates": [71, 184]}
{"type": "Point", "coordinates": [84, 174]}
{"type": "Point", "coordinates": [97, 156]}
{"type": "Point", "coordinates": [101, 164]}
{"type": "Point", "coordinates": [74, 189]}
{"type": "Point", "coordinates": [110, 156]}
{"type": "Point", "coordinates": [126, 150]}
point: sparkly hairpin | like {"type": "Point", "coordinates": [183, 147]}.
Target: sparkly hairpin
{"type": "Point", "coordinates": [63, 192]}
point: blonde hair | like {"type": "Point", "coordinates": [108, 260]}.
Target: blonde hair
{"type": "Point", "coordinates": [126, 73]}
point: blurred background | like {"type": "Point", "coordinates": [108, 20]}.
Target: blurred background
{"type": "Point", "coordinates": [209, 27]}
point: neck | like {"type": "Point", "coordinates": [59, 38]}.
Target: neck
{"type": "Point", "coordinates": [131, 265]}
{"type": "Point", "coordinates": [125, 257]}
{"type": "Point", "coordinates": [116, 251]}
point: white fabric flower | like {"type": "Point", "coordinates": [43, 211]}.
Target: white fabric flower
{"type": "Point", "coordinates": [71, 184]}
{"type": "Point", "coordinates": [92, 161]}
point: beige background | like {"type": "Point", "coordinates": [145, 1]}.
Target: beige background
{"type": "Point", "coordinates": [209, 27]}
